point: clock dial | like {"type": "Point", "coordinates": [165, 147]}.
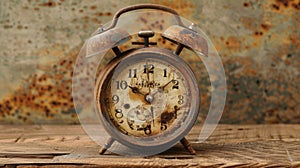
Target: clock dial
{"type": "Point", "coordinates": [146, 96]}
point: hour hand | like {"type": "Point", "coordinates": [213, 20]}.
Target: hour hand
{"type": "Point", "coordinates": [136, 90]}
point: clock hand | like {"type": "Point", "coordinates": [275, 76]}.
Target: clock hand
{"type": "Point", "coordinates": [148, 98]}
{"type": "Point", "coordinates": [152, 113]}
{"type": "Point", "coordinates": [161, 88]}
{"type": "Point", "coordinates": [148, 78]}
{"type": "Point", "coordinates": [136, 90]}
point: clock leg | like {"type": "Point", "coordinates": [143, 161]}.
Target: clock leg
{"type": "Point", "coordinates": [107, 145]}
{"type": "Point", "coordinates": [188, 146]}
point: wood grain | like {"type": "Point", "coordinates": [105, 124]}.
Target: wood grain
{"type": "Point", "coordinates": [229, 146]}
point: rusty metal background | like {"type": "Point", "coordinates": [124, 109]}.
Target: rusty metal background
{"type": "Point", "coordinates": [257, 40]}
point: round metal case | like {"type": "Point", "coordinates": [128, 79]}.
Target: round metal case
{"type": "Point", "coordinates": [127, 113]}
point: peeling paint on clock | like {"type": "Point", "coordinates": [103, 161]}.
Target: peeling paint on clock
{"type": "Point", "coordinates": [257, 40]}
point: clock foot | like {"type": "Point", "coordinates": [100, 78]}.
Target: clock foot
{"type": "Point", "coordinates": [107, 145]}
{"type": "Point", "coordinates": [188, 146]}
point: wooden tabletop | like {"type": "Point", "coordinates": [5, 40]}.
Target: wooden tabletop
{"type": "Point", "coordinates": [229, 146]}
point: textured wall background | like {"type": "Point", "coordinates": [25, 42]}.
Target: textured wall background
{"type": "Point", "coordinates": [257, 40]}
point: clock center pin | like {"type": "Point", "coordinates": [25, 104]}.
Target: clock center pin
{"type": "Point", "coordinates": [149, 98]}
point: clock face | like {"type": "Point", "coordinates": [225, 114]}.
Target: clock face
{"type": "Point", "coordinates": [147, 95]}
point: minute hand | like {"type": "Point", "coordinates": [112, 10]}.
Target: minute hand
{"type": "Point", "coordinates": [163, 87]}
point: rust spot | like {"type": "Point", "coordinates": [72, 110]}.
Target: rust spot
{"type": "Point", "coordinates": [296, 5]}
{"type": "Point", "coordinates": [258, 33]}
{"type": "Point", "coordinates": [232, 43]}
{"type": "Point", "coordinates": [62, 62]}
{"type": "Point", "coordinates": [81, 10]}
{"type": "Point", "coordinates": [246, 4]}
{"type": "Point", "coordinates": [9, 107]}
{"type": "Point", "coordinates": [93, 7]}
{"type": "Point", "coordinates": [265, 26]}
{"type": "Point", "coordinates": [48, 4]}
{"type": "Point", "coordinates": [103, 14]}
{"type": "Point", "coordinates": [49, 88]}
{"type": "Point", "coordinates": [248, 23]}
{"type": "Point", "coordinates": [167, 117]}
{"type": "Point", "coordinates": [55, 103]}
{"type": "Point", "coordinates": [95, 20]}
{"type": "Point", "coordinates": [7, 26]}
{"type": "Point", "coordinates": [99, 14]}
{"type": "Point", "coordinates": [275, 6]}
{"type": "Point", "coordinates": [283, 2]}
{"type": "Point", "coordinates": [47, 111]}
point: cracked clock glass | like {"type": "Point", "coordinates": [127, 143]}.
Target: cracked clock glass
{"type": "Point", "coordinates": [147, 94]}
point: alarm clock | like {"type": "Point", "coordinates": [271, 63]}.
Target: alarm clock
{"type": "Point", "coordinates": [146, 98]}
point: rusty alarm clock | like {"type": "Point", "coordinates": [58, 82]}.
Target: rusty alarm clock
{"type": "Point", "coordinates": [146, 97]}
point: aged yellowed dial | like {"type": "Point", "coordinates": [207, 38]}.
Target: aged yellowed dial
{"type": "Point", "coordinates": [146, 97]}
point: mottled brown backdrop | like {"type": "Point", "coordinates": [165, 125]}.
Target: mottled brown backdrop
{"type": "Point", "coordinates": [259, 42]}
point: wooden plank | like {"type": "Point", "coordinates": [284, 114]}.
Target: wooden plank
{"type": "Point", "coordinates": [229, 146]}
